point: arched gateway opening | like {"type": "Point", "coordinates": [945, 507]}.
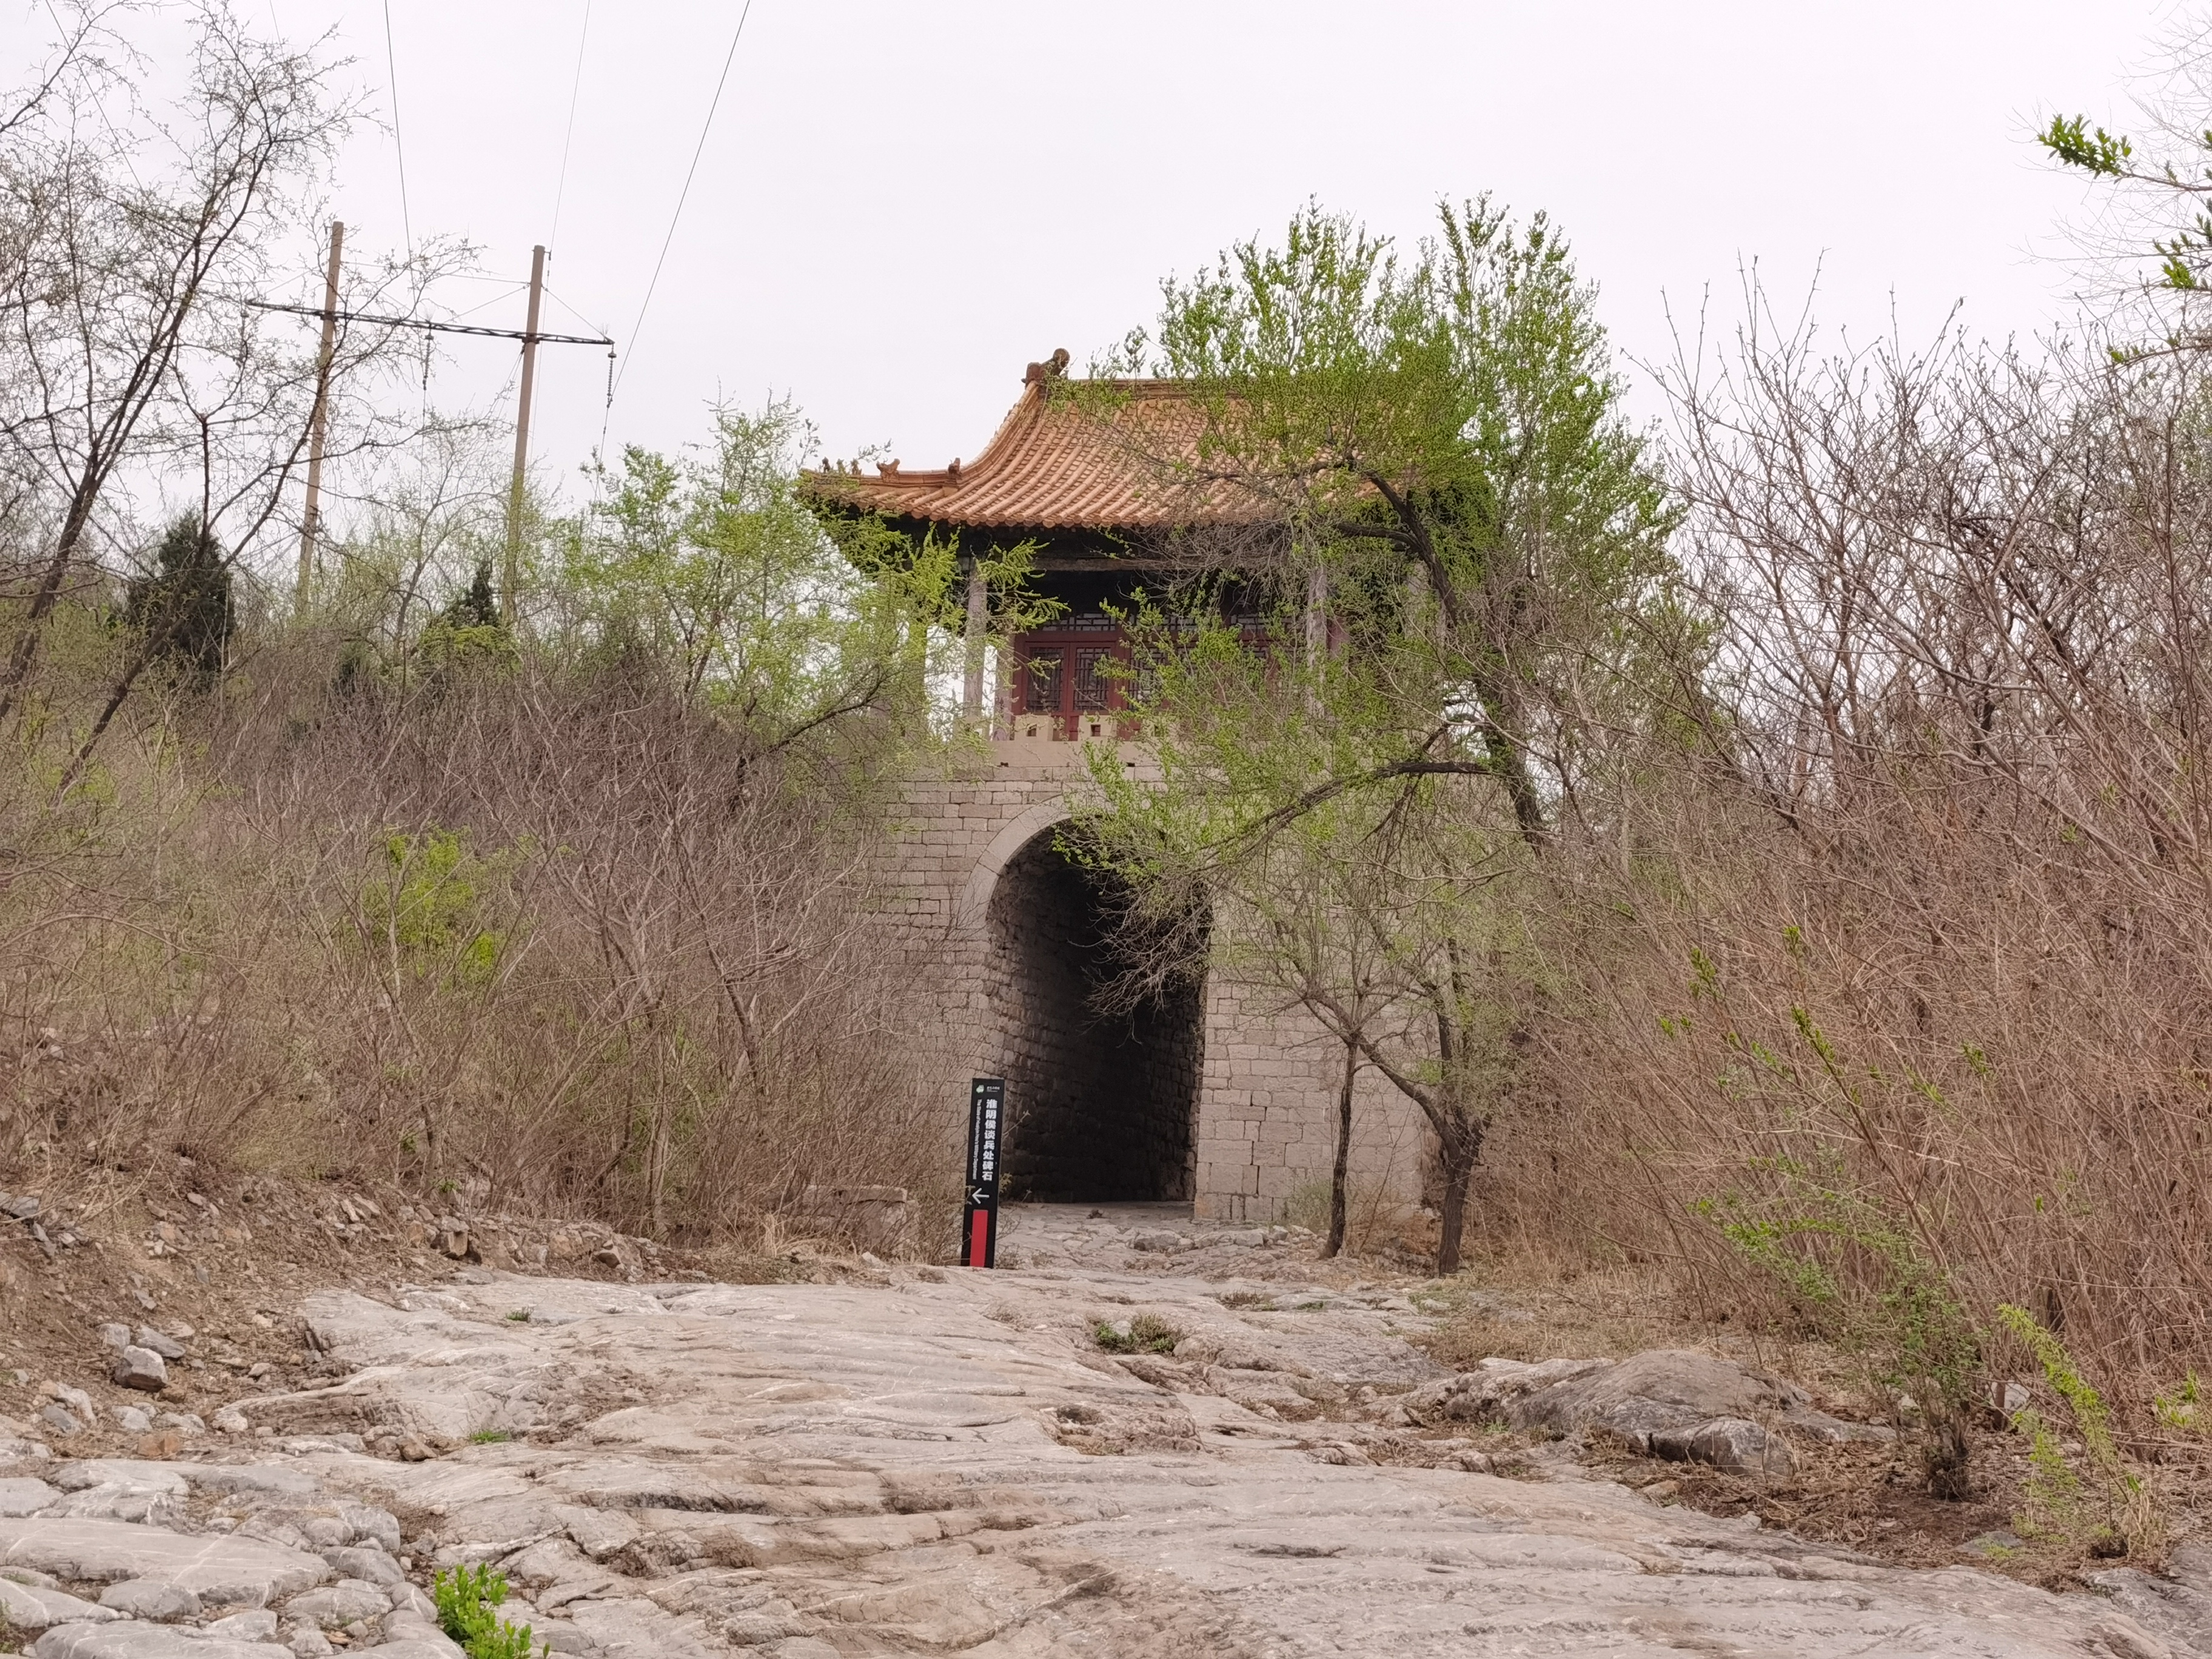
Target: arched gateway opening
{"type": "Point", "coordinates": [1101, 1107]}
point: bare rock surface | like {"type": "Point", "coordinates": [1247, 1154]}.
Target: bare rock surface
{"type": "Point", "coordinates": [216, 1569]}
{"type": "Point", "coordinates": [30, 1609]}
{"type": "Point", "coordinates": [25, 1495]}
{"type": "Point", "coordinates": [946, 1461]}
{"type": "Point", "coordinates": [134, 1640]}
{"type": "Point", "coordinates": [1670, 1403]}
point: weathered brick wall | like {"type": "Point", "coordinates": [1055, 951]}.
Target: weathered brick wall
{"type": "Point", "coordinates": [1002, 938]}
{"type": "Point", "coordinates": [1267, 1111]}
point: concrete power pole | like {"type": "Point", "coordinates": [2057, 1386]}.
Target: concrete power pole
{"type": "Point", "coordinates": [318, 423]}
{"type": "Point", "coordinates": [979, 620]}
{"type": "Point", "coordinates": [507, 596]}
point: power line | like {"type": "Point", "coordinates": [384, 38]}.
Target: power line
{"type": "Point", "coordinates": [568, 138]}
{"type": "Point", "coordinates": [435, 328]}
{"type": "Point", "coordinates": [682, 197]}
{"type": "Point", "coordinates": [556, 300]}
{"type": "Point", "coordinates": [507, 293]}
{"type": "Point", "coordinates": [391, 79]}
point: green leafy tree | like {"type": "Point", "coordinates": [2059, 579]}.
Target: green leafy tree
{"type": "Point", "coordinates": [1465, 578]}
{"type": "Point", "coordinates": [713, 564]}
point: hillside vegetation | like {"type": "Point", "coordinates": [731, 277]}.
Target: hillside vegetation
{"type": "Point", "coordinates": [1775, 851]}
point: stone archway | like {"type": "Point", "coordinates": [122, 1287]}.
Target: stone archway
{"type": "Point", "coordinates": [1100, 1107]}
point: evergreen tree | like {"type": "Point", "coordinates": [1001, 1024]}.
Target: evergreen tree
{"type": "Point", "coordinates": [184, 607]}
{"type": "Point", "coordinates": [474, 606]}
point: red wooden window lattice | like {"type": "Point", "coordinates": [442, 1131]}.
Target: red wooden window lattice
{"type": "Point", "coordinates": [1068, 681]}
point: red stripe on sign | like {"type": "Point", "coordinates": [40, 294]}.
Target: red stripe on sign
{"type": "Point", "coordinates": [979, 1237]}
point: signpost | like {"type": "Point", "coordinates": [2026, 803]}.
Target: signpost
{"type": "Point", "coordinates": [979, 1236]}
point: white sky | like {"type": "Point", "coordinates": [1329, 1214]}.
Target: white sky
{"type": "Point", "coordinates": [902, 203]}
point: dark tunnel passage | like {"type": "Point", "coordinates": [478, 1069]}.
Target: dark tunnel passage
{"type": "Point", "coordinates": [1100, 1107]}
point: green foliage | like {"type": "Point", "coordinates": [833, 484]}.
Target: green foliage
{"type": "Point", "coordinates": [476, 606]}
{"type": "Point", "coordinates": [491, 1436]}
{"type": "Point", "coordinates": [2184, 257]}
{"type": "Point", "coordinates": [1866, 1283]}
{"type": "Point", "coordinates": [2183, 1409]}
{"type": "Point", "coordinates": [2071, 140]}
{"type": "Point", "coordinates": [183, 608]}
{"type": "Point", "coordinates": [1147, 1334]}
{"type": "Point", "coordinates": [1438, 433]}
{"type": "Point", "coordinates": [715, 564]}
{"type": "Point", "coordinates": [2052, 1491]}
{"type": "Point", "coordinates": [2110, 1512]}
{"type": "Point", "coordinates": [470, 632]}
{"type": "Point", "coordinates": [468, 1600]}
{"type": "Point", "coordinates": [424, 909]}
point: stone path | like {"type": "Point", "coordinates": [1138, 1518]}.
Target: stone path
{"type": "Point", "coordinates": [939, 1462]}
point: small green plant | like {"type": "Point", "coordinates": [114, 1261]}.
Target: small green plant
{"type": "Point", "coordinates": [489, 1437]}
{"type": "Point", "coordinates": [2111, 1512]}
{"type": "Point", "coordinates": [519, 1315]}
{"type": "Point", "coordinates": [1864, 1282]}
{"type": "Point", "coordinates": [2183, 1409]}
{"type": "Point", "coordinates": [468, 1600]}
{"type": "Point", "coordinates": [1146, 1334]}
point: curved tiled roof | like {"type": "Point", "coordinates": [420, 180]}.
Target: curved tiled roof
{"type": "Point", "coordinates": [1061, 461]}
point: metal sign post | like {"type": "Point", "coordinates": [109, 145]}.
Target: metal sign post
{"type": "Point", "coordinates": [979, 1233]}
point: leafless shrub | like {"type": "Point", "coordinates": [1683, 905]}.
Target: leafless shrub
{"type": "Point", "coordinates": [572, 941]}
{"type": "Point", "coordinates": [1913, 918]}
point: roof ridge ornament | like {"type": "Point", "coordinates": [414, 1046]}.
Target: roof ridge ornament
{"type": "Point", "coordinates": [1054, 367]}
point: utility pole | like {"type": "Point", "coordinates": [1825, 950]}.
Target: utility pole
{"type": "Point", "coordinates": [332, 316]}
{"type": "Point", "coordinates": [318, 423]}
{"type": "Point", "coordinates": [979, 620]}
{"type": "Point", "coordinates": [506, 604]}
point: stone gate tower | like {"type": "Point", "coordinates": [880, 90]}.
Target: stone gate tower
{"type": "Point", "coordinates": [1219, 1093]}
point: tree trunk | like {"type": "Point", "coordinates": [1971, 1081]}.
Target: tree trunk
{"type": "Point", "coordinates": [1459, 1152]}
{"type": "Point", "coordinates": [1338, 1178]}
{"type": "Point", "coordinates": [1501, 747]}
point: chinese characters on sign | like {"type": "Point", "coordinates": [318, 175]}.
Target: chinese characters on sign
{"type": "Point", "coordinates": [979, 1236]}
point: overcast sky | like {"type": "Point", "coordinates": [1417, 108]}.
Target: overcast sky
{"type": "Point", "coordinates": [900, 203]}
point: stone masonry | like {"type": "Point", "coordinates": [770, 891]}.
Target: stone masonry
{"type": "Point", "coordinates": [1230, 1103]}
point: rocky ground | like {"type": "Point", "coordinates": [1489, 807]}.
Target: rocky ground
{"type": "Point", "coordinates": [1145, 1436]}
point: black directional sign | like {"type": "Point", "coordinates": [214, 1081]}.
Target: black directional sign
{"type": "Point", "coordinates": [979, 1232]}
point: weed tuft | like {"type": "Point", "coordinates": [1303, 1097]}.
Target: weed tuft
{"type": "Point", "coordinates": [1147, 1334]}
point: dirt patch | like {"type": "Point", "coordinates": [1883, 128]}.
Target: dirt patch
{"type": "Point", "coordinates": [1874, 1499]}
{"type": "Point", "coordinates": [229, 1258]}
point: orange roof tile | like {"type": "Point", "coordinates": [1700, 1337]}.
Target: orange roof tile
{"type": "Point", "coordinates": [1061, 462]}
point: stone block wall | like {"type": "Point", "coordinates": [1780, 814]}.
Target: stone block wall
{"type": "Point", "coordinates": [1266, 1113]}
{"type": "Point", "coordinates": [979, 906]}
